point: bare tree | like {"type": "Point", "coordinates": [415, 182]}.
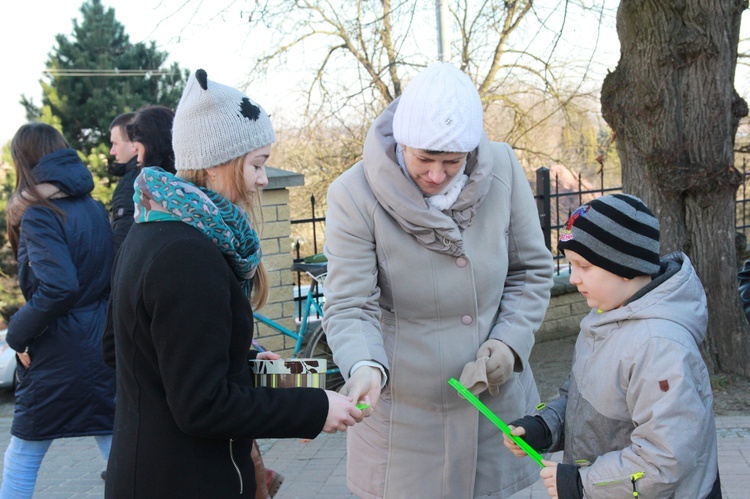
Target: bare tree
{"type": "Point", "coordinates": [674, 108]}
{"type": "Point", "coordinates": [357, 55]}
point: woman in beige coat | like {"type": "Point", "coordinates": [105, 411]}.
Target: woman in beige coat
{"type": "Point", "coordinates": [437, 268]}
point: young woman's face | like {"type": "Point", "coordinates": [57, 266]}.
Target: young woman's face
{"type": "Point", "coordinates": [602, 289]}
{"type": "Point", "coordinates": [254, 168]}
{"type": "Point", "coordinates": [222, 178]}
{"type": "Point", "coordinates": [430, 171]}
{"type": "Point", "coordinates": [140, 151]}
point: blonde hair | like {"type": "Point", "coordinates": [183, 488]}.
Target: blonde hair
{"type": "Point", "coordinates": [233, 174]}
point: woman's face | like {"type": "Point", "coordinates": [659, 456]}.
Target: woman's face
{"type": "Point", "coordinates": [254, 168]}
{"type": "Point", "coordinates": [140, 151]}
{"type": "Point", "coordinates": [432, 172]}
{"type": "Point", "coordinates": [222, 178]}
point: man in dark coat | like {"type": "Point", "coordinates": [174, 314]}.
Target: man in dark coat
{"type": "Point", "coordinates": [126, 167]}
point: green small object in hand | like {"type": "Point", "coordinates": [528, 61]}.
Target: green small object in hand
{"type": "Point", "coordinates": [362, 406]}
{"type": "Point", "coordinates": [496, 420]}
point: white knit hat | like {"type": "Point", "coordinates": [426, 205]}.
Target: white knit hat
{"type": "Point", "coordinates": [440, 110]}
{"type": "Point", "coordinates": [215, 123]}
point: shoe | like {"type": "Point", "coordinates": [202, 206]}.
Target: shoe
{"type": "Point", "coordinates": [273, 481]}
{"type": "Point", "coordinates": [104, 475]}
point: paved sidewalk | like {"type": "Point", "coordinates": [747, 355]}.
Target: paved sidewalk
{"type": "Point", "coordinates": [316, 469]}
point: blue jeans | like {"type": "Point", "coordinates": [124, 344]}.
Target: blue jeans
{"type": "Point", "coordinates": [23, 459]}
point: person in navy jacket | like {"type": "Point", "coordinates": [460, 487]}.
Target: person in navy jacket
{"type": "Point", "coordinates": [62, 240]}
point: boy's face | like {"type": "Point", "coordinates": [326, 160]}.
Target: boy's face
{"type": "Point", "coordinates": [601, 288]}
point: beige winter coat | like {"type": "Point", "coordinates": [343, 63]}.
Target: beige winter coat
{"type": "Point", "coordinates": [424, 313]}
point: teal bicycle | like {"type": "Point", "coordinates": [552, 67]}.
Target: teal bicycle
{"type": "Point", "coordinates": [314, 344]}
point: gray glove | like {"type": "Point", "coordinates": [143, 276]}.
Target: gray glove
{"type": "Point", "coordinates": [500, 361]}
{"type": "Point", "coordinates": [493, 367]}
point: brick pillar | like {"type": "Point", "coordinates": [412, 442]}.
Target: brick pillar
{"type": "Point", "coordinates": [277, 258]}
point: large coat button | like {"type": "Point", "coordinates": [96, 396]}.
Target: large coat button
{"type": "Point", "coordinates": [467, 319]}
{"type": "Point", "coordinates": [461, 262]}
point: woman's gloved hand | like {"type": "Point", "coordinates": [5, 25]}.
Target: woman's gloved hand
{"type": "Point", "coordinates": [500, 361]}
{"type": "Point", "coordinates": [493, 367]}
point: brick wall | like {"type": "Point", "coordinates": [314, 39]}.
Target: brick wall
{"type": "Point", "coordinates": [277, 259]}
{"type": "Point", "coordinates": [566, 309]}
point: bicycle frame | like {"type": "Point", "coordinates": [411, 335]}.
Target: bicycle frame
{"type": "Point", "coordinates": [310, 304]}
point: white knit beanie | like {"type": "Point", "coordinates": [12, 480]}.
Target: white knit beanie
{"type": "Point", "coordinates": [440, 110]}
{"type": "Point", "coordinates": [215, 123]}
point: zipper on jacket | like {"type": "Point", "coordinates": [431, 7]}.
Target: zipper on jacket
{"type": "Point", "coordinates": [634, 478]}
{"type": "Point", "coordinates": [237, 468]}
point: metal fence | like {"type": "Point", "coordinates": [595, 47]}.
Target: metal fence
{"type": "Point", "coordinates": [300, 293]}
{"type": "Point", "coordinates": [554, 211]}
{"type": "Point", "coordinates": [555, 205]}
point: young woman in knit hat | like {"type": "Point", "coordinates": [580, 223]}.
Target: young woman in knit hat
{"type": "Point", "coordinates": [181, 317]}
{"type": "Point", "coordinates": [62, 241]}
{"type": "Point", "coordinates": [636, 414]}
{"type": "Point", "coordinates": [437, 268]}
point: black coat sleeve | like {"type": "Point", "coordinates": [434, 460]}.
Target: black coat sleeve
{"type": "Point", "coordinates": [123, 208]}
{"type": "Point", "coordinates": [192, 297]}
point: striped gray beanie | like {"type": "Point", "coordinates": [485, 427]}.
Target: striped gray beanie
{"type": "Point", "coordinates": [618, 233]}
{"type": "Point", "coordinates": [215, 123]}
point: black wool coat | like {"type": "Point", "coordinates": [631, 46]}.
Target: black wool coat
{"type": "Point", "coordinates": [121, 206]}
{"type": "Point", "coordinates": [179, 334]}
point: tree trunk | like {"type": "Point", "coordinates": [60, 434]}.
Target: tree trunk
{"type": "Point", "coordinates": [672, 104]}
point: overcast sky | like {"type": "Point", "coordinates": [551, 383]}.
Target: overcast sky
{"type": "Point", "coordinates": [203, 39]}
{"type": "Point", "coordinates": [28, 29]}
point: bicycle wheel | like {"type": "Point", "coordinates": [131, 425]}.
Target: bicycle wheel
{"type": "Point", "coordinates": [317, 347]}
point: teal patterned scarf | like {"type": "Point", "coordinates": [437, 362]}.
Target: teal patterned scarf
{"type": "Point", "coordinates": [161, 196]}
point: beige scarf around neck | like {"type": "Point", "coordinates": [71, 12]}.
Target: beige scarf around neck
{"type": "Point", "coordinates": [21, 200]}
{"type": "Point", "coordinates": [436, 230]}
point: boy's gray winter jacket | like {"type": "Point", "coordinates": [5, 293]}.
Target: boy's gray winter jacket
{"type": "Point", "coordinates": [639, 397]}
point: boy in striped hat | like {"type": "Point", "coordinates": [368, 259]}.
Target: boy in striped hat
{"type": "Point", "coordinates": [636, 414]}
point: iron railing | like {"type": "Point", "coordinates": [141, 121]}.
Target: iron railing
{"type": "Point", "coordinates": [555, 207]}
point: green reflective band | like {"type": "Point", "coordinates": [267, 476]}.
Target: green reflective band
{"type": "Point", "coordinates": [541, 406]}
{"type": "Point", "coordinates": [633, 478]}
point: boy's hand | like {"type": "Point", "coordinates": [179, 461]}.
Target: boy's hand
{"type": "Point", "coordinates": [518, 431]}
{"type": "Point", "coordinates": [549, 477]}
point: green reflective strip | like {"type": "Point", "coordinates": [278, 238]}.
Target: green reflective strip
{"type": "Point", "coordinates": [604, 484]}
{"type": "Point", "coordinates": [541, 406]}
{"type": "Point", "coordinates": [633, 478]}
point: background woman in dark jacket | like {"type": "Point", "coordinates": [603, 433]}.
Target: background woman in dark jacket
{"type": "Point", "coordinates": [63, 243]}
{"type": "Point", "coordinates": [181, 320]}
{"type": "Point", "coordinates": [150, 131]}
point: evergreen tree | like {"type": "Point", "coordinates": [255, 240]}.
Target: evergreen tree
{"type": "Point", "coordinates": [96, 74]}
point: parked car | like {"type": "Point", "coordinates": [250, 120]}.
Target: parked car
{"type": "Point", "coordinates": [7, 363]}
